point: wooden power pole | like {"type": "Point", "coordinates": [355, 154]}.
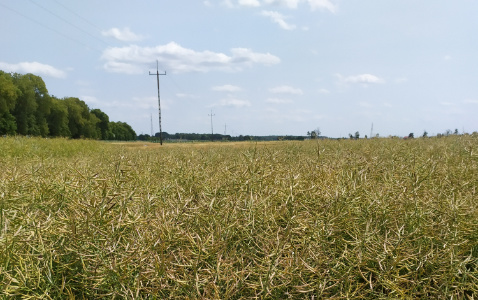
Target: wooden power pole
{"type": "Point", "coordinates": [159, 101]}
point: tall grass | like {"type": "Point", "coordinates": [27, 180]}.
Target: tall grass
{"type": "Point", "coordinates": [378, 218]}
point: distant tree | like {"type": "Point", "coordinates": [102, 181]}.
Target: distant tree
{"type": "Point", "coordinates": [25, 112]}
{"type": "Point", "coordinates": [448, 132]}
{"type": "Point", "coordinates": [411, 135]}
{"type": "Point", "coordinates": [58, 118]}
{"type": "Point", "coordinates": [317, 132]}
{"type": "Point", "coordinates": [144, 137]}
{"type": "Point", "coordinates": [77, 116]}
{"type": "Point", "coordinates": [425, 134]}
{"type": "Point", "coordinates": [121, 131]}
{"type": "Point", "coordinates": [8, 98]}
{"type": "Point", "coordinates": [103, 124]}
{"type": "Point", "coordinates": [351, 136]}
{"type": "Point", "coordinates": [357, 135]}
{"type": "Point", "coordinates": [456, 131]}
{"type": "Point", "coordinates": [314, 133]}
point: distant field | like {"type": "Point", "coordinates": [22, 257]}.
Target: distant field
{"type": "Point", "coordinates": [377, 218]}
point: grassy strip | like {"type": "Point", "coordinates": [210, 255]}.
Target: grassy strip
{"type": "Point", "coordinates": [378, 218]}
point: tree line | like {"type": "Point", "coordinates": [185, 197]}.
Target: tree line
{"type": "Point", "coordinates": [214, 137]}
{"type": "Point", "coordinates": [26, 108]}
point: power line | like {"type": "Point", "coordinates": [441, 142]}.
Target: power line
{"type": "Point", "coordinates": [66, 21]}
{"type": "Point", "coordinates": [49, 28]}
{"type": "Point", "coordinates": [71, 11]}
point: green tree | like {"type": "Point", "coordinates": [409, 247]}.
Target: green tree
{"type": "Point", "coordinates": [8, 97]}
{"type": "Point", "coordinates": [58, 118]}
{"type": "Point", "coordinates": [81, 123]}
{"type": "Point", "coordinates": [357, 135]}
{"type": "Point", "coordinates": [425, 134]}
{"type": "Point", "coordinates": [103, 124]}
{"type": "Point", "coordinates": [33, 105]}
{"type": "Point", "coordinates": [121, 131]}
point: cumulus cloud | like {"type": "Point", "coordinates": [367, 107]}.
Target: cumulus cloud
{"type": "Point", "coordinates": [471, 101]}
{"type": "Point", "coordinates": [322, 4]}
{"type": "Point", "coordinates": [278, 100]}
{"type": "Point", "coordinates": [362, 78]}
{"type": "Point", "coordinates": [34, 68]}
{"type": "Point", "coordinates": [226, 88]}
{"type": "Point", "coordinates": [285, 89]}
{"type": "Point", "coordinates": [287, 3]}
{"type": "Point", "coordinates": [184, 95]}
{"type": "Point", "coordinates": [173, 57]}
{"type": "Point", "coordinates": [90, 99]}
{"type": "Point", "coordinates": [252, 3]}
{"type": "Point", "coordinates": [233, 102]}
{"type": "Point", "coordinates": [149, 102]}
{"type": "Point", "coordinates": [278, 18]}
{"type": "Point", "coordinates": [124, 35]}
{"type": "Point", "coordinates": [313, 4]}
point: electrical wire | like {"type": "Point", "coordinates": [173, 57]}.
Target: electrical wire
{"type": "Point", "coordinates": [68, 22]}
{"type": "Point", "coordinates": [84, 19]}
{"type": "Point", "coordinates": [49, 28]}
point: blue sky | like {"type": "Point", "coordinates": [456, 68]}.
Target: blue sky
{"type": "Point", "coordinates": [262, 66]}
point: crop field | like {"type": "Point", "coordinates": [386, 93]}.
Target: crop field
{"type": "Point", "coordinates": [358, 219]}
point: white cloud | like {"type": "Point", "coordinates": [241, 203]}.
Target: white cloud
{"type": "Point", "coordinates": [313, 4]}
{"type": "Point", "coordinates": [365, 104]}
{"type": "Point", "coordinates": [232, 102]}
{"type": "Point", "coordinates": [324, 91]}
{"type": "Point", "coordinates": [251, 3]}
{"type": "Point", "coordinates": [184, 95]}
{"type": "Point", "coordinates": [387, 104]}
{"type": "Point", "coordinates": [207, 3]}
{"type": "Point", "coordinates": [288, 3]}
{"type": "Point", "coordinates": [90, 99]}
{"type": "Point", "coordinates": [471, 101]}
{"type": "Point", "coordinates": [226, 88]}
{"type": "Point", "coordinates": [322, 4]}
{"type": "Point", "coordinates": [227, 3]}
{"type": "Point", "coordinates": [35, 68]}
{"type": "Point", "coordinates": [148, 102]}
{"type": "Point", "coordinates": [124, 35]}
{"type": "Point", "coordinates": [278, 18]}
{"type": "Point", "coordinates": [445, 103]}
{"type": "Point", "coordinates": [362, 78]}
{"type": "Point", "coordinates": [278, 100]}
{"type": "Point", "coordinates": [173, 57]}
{"type": "Point", "coordinates": [285, 89]}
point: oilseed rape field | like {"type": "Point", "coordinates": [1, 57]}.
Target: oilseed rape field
{"type": "Point", "coordinates": [341, 219]}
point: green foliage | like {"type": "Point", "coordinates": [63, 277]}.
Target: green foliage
{"type": "Point", "coordinates": [58, 118]}
{"type": "Point", "coordinates": [363, 219]}
{"type": "Point", "coordinates": [103, 124]}
{"type": "Point", "coordinates": [26, 108]}
{"type": "Point", "coordinates": [121, 131]}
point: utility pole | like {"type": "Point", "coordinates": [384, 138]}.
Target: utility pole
{"type": "Point", "coordinates": [159, 102]}
{"type": "Point", "coordinates": [151, 125]}
{"type": "Point", "coordinates": [212, 130]}
{"type": "Point", "coordinates": [371, 131]}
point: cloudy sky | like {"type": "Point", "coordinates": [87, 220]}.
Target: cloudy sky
{"type": "Point", "coordinates": [261, 66]}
